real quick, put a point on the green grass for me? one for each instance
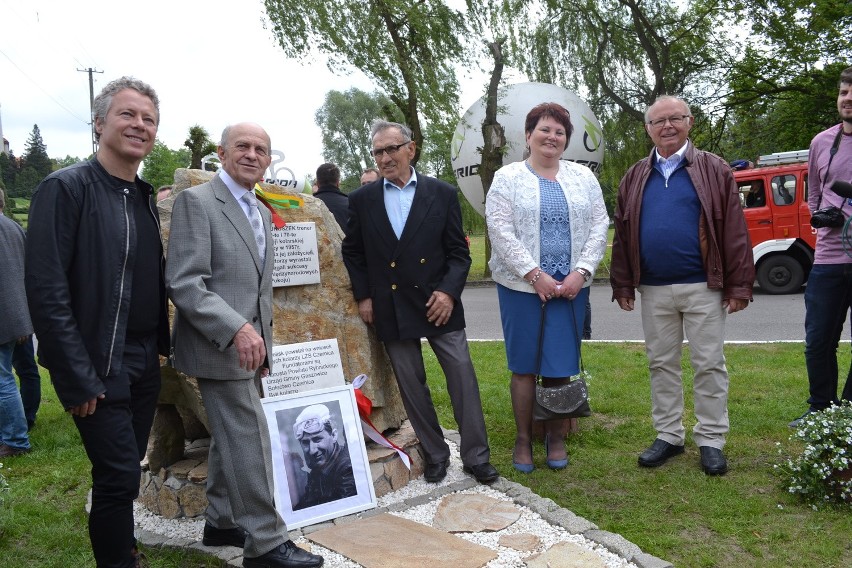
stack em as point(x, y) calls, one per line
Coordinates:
point(42, 517)
point(743, 519)
point(477, 255)
point(675, 512)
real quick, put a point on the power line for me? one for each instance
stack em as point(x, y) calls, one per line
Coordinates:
point(51, 97)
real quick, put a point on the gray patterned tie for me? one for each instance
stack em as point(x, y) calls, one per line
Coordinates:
point(256, 226)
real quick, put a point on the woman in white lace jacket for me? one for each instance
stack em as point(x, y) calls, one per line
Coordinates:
point(548, 228)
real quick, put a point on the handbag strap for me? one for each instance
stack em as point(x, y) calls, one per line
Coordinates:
point(541, 336)
point(579, 339)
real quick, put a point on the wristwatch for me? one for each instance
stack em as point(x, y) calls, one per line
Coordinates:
point(584, 273)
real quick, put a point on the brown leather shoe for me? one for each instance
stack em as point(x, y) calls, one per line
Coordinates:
point(10, 452)
point(288, 555)
point(139, 559)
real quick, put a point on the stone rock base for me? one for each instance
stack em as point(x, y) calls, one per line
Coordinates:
point(178, 490)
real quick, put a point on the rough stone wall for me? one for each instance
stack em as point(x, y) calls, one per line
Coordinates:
point(300, 313)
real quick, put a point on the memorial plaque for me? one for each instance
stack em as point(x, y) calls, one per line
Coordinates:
point(302, 367)
point(296, 255)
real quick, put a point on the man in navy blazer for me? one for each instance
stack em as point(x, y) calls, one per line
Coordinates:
point(408, 260)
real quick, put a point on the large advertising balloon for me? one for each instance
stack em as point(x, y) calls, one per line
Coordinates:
point(514, 102)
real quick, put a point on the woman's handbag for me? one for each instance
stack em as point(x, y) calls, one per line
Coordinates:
point(564, 401)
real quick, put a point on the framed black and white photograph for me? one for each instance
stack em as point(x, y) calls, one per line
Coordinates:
point(319, 460)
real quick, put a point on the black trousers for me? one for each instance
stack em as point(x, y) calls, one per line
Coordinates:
point(406, 358)
point(115, 438)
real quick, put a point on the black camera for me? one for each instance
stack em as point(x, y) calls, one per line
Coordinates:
point(827, 217)
point(832, 216)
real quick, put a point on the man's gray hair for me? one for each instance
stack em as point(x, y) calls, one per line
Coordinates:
point(662, 98)
point(223, 140)
point(102, 103)
point(379, 125)
point(226, 133)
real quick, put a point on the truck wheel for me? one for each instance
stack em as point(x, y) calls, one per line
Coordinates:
point(780, 275)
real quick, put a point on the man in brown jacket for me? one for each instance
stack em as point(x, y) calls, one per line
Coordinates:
point(681, 239)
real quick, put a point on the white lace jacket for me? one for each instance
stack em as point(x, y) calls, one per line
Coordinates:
point(513, 219)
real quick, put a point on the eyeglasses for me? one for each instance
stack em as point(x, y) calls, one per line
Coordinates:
point(389, 150)
point(674, 120)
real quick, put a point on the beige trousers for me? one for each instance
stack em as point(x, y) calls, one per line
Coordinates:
point(667, 313)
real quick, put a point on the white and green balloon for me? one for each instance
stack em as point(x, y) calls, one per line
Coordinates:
point(514, 102)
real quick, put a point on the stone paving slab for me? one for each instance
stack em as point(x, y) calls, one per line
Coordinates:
point(622, 552)
point(377, 542)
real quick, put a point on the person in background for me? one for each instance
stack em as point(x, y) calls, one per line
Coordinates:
point(219, 277)
point(548, 227)
point(24, 363)
point(95, 288)
point(328, 191)
point(828, 295)
point(408, 262)
point(163, 192)
point(681, 239)
point(15, 328)
point(369, 175)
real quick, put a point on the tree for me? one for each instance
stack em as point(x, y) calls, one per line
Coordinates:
point(26, 182)
point(406, 48)
point(159, 166)
point(8, 169)
point(784, 86)
point(199, 145)
point(344, 120)
point(35, 155)
point(59, 163)
point(627, 53)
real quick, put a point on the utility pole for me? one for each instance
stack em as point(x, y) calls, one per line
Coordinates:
point(92, 104)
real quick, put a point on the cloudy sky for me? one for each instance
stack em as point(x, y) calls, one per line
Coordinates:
point(211, 62)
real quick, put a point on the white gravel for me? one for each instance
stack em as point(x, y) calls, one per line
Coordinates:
point(529, 522)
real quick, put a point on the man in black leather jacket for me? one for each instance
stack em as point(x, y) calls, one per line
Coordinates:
point(95, 287)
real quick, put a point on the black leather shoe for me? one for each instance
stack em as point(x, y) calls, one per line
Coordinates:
point(483, 472)
point(795, 423)
point(435, 472)
point(288, 555)
point(223, 537)
point(713, 461)
point(659, 453)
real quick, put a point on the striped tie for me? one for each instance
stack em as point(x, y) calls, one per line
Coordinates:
point(256, 226)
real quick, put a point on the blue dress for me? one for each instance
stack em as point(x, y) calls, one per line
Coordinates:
point(521, 312)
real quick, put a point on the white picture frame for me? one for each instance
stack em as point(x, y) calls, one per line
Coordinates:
point(297, 497)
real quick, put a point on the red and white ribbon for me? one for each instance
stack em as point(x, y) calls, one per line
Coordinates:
point(365, 408)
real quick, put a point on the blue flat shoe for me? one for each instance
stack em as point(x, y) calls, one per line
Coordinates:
point(523, 467)
point(554, 464)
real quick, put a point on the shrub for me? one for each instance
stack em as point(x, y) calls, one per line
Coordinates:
point(823, 471)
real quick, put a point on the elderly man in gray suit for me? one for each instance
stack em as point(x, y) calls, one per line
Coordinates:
point(15, 327)
point(219, 276)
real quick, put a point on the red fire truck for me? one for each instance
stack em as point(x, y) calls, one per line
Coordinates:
point(774, 194)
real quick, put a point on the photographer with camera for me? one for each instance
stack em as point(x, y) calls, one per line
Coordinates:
point(828, 296)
